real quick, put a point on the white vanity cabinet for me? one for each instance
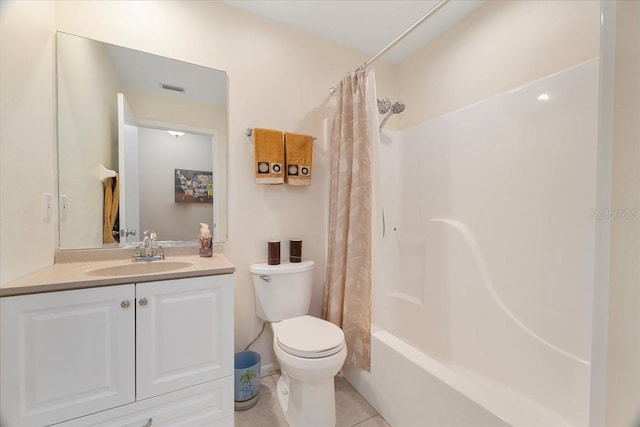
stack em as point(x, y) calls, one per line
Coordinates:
point(155, 353)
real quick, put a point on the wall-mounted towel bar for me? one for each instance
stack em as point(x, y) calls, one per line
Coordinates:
point(250, 132)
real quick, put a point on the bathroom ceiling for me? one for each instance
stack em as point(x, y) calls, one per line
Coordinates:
point(364, 25)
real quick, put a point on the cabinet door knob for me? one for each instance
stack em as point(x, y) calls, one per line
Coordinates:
point(148, 424)
point(125, 304)
point(143, 302)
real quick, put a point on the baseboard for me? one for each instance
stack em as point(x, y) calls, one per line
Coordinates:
point(269, 369)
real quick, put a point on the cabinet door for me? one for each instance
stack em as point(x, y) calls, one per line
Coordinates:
point(184, 333)
point(66, 354)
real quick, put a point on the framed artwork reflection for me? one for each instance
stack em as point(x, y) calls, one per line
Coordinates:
point(192, 186)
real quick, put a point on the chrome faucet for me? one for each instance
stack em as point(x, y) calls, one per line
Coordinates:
point(149, 238)
point(148, 244)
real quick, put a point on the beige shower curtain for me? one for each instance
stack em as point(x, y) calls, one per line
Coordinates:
point(347, 291)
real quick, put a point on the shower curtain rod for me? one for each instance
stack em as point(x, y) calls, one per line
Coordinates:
point(406, 32)
point(397, 40)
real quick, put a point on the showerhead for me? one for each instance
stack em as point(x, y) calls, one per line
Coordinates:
point(384, 105)
point(396, 108)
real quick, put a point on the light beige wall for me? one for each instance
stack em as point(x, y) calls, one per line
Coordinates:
point(152, 109)
point(27, 125)
point(278, 78)
point(88, 129)
point(623, 372)
point(171, 110)
point(160, 155)
point(499, 47)
point(175, 110)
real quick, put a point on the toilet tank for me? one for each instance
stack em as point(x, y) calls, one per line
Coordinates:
point(282, 291)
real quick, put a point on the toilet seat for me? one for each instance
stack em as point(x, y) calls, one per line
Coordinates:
point(309, 337)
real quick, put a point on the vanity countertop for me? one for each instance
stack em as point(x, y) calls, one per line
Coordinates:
point(73, 272)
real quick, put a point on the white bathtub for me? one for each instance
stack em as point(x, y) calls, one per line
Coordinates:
point(411, 389)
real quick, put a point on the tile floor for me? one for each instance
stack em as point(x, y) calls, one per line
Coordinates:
point(351, 408)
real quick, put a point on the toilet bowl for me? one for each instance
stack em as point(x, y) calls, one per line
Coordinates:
point(310, 351)
point(306, 386)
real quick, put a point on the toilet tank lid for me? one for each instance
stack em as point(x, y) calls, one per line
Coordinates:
point(291, 267)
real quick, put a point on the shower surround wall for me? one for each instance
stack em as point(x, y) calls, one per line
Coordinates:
point(488, 248)
point(483, 299)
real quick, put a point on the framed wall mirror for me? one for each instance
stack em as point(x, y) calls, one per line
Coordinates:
point(142, 145)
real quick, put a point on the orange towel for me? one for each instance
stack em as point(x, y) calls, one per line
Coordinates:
point(111, 204)
point(299, 156)
point(268, 148)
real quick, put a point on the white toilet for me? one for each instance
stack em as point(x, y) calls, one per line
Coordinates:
point(310, 351)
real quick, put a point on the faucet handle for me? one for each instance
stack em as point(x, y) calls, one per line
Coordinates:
point(136, 252)
point(160, 252)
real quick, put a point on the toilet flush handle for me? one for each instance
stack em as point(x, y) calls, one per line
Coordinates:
point(266, 278)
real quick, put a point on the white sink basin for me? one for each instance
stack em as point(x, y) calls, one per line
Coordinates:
point(139, 268)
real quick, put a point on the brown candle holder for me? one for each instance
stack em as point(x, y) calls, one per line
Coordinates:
point(295, 250)
point(274, 252)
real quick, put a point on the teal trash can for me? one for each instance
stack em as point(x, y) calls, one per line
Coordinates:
point(247, 379)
